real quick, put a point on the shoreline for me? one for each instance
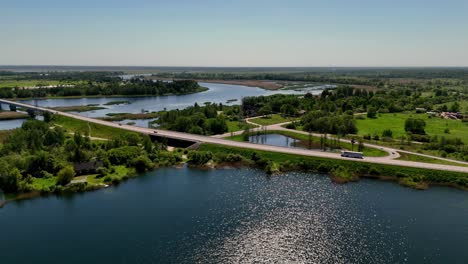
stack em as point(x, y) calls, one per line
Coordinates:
point(203, 89)
point(334, 179)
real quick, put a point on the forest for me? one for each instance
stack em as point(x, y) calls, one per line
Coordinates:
point(42, 156)
point(114, 86)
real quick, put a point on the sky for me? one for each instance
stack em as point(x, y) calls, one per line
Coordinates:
point(235, 33)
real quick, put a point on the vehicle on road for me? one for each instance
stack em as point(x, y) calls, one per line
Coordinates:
point(352, 154)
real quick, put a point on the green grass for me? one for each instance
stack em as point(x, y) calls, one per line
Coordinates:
point(417, 158)
point(234, 126)
point(119, 173)
point(26, 83)
point(396, 122)
point(272, 119)
point(369, 152)
point(97, 130)
point(463, 105)
point(43, 183)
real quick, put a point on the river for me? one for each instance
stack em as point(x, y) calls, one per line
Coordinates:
point(217, 93)
point(229, 216)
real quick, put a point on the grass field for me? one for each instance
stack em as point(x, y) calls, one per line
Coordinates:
point(417, 158)
point(272, 119)
point(463, 105)
point(369, 152)
point(43, 183)
point(396, 122)
point(26, 83)
point(81, 126)
point(234, 126)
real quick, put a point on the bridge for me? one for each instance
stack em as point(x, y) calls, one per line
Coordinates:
point(389, 160)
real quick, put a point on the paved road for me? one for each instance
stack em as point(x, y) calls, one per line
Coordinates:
point(224, 142)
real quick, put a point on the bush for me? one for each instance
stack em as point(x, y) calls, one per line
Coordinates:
point(142, 163)
point(102, 171)
point(123, 155)
point(291, 125)
point(200, 157)
point(65, 175)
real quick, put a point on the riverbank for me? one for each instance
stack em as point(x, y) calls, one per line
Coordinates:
point(267, 85)
point(10, 115)
point(129, 116)
point(273, 163)
point(199, 90)
point(78, 108)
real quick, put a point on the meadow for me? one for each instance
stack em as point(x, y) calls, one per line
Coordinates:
point(435, 126)
point(272, 119)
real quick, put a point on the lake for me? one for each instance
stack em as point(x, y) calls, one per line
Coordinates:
point(229, 216)
point(217, 93)
point(277, 140)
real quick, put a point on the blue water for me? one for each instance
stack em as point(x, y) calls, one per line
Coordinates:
point(231, 216)
point(217, 93)
point(276, 140)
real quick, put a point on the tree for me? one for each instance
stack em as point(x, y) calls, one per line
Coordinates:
point(9, 177)
point(31, 113)
point(47, 117)
point(415, 126)
point(353, 141)
point(371, 112)
point(360, 146)
point(142, 163)
point(455, 107)
point(265, 110)
point(387, 133)
point(65, 175)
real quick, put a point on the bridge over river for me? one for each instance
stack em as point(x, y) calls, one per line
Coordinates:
point(388, 160)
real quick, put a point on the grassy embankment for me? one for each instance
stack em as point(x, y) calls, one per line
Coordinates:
point(368, 152)
point(74, 125)
point(411, 177)
point(234, 126)
point(10, 115)
point(272, 120)
point(418, 158)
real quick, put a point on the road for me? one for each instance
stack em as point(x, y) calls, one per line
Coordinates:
point(247, 145)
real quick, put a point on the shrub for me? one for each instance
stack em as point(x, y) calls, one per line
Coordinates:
point(142, 163)
point(123, 155)
point(200, 157)
point(102, 171)
point(65, 175)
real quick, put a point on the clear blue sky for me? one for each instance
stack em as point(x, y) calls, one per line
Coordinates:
point(235, 33)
